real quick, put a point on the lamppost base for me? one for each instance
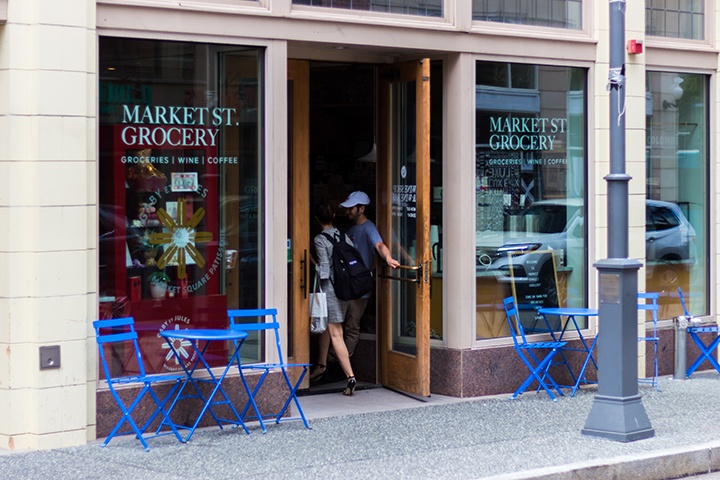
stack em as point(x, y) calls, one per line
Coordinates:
point(618, 418)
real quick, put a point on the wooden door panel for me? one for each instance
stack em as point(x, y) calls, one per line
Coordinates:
point(403, 199)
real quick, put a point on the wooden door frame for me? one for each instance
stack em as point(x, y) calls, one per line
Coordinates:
point(299, 201)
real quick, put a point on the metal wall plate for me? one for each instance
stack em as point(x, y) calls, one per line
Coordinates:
point(50, 357)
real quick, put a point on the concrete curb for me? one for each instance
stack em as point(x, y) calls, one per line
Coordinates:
point(658, 465)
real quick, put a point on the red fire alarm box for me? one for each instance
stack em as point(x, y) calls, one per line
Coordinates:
point(635, 47)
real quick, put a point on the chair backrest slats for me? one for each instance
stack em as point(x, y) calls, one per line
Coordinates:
point(273, 325)
point(261, 312)
point(513, 319)
point(254, 327)
point(114, 322)
point(108, 337)
point(117, 337)
point(649, 302)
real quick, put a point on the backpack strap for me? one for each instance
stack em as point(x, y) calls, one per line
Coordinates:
point(333, 242)
point(332, 239)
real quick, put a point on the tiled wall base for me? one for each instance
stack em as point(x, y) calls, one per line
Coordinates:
point(491, 371)
point(271, 399)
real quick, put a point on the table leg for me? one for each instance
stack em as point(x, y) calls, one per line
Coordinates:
point(217, 388)
point(587, 349)
point(562, 354)
point(251, 397)
point(582, 339)
point(581, 375)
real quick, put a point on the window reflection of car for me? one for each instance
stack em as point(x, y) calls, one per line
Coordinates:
point(669, 235)
point(550, 227)
point(557, 225)
point(670, 241)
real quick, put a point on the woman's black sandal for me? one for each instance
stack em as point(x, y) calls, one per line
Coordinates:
point(350, 389)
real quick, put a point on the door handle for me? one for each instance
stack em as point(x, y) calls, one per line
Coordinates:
point(417, 269)
point(303, 275)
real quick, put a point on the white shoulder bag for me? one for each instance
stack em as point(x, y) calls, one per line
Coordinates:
point(318, 309)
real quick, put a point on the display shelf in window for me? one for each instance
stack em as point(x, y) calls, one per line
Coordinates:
point(146, 230)
point(144, 176)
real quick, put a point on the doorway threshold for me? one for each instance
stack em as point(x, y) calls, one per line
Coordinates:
point(371, 400)
point(335, 387)
point(419, 398)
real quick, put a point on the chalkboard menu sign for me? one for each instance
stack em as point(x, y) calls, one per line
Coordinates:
point(534, 282)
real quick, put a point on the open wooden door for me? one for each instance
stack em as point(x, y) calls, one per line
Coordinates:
point(403, 217)
point(298, 207)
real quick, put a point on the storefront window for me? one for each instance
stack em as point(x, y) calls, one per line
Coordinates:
point(180, 190)
point(530, 192)
point(684, 19)
point(677, 195)
point(432, 8)
point(543, 13)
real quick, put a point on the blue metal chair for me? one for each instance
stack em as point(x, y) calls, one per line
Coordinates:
point(120, 333)
point(706, 350)
point(526, 350)
point(266, 368)
point(648, 302)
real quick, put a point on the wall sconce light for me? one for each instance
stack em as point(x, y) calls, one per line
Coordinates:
point(676, 92)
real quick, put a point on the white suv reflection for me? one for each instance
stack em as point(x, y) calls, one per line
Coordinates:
point(556, 226)
point(670, 240)
point(550, 227)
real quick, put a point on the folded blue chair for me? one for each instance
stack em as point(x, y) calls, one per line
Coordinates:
point(526, 350)
point(273, 326)
point(648, 302)
point(706, 350)
point(120, 333)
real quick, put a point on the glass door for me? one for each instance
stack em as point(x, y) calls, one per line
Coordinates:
point(403, 199)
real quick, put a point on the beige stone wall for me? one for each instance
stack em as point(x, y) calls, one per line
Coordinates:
point(47, 208)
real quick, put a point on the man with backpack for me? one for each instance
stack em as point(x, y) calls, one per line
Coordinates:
point(368, 242)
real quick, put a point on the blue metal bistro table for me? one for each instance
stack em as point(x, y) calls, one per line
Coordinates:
point(571, 314)
point(200, 339)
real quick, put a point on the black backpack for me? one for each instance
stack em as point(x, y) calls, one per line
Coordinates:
point(353, 279)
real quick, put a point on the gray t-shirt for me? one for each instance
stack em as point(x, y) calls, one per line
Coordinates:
point(365, 236)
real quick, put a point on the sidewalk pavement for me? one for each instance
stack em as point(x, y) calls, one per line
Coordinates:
point(381, 434)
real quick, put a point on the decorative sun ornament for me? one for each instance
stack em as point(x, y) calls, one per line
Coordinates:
point(181, 237)
point(180, 348)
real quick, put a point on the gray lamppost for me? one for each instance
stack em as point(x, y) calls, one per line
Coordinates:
point(617, 412)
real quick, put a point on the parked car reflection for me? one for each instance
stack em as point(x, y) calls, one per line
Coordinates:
point(556, 226)
point(670, 241)
point(544, 229)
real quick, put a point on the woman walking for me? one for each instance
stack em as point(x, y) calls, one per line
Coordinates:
point(324, 215)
